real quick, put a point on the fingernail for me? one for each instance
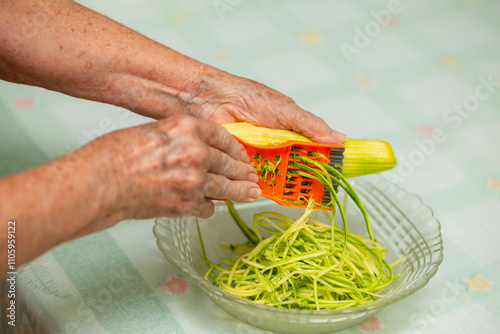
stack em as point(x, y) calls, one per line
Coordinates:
point(254, 193)
point(253, 177)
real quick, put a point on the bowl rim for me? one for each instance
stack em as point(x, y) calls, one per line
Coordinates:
point(417, 283)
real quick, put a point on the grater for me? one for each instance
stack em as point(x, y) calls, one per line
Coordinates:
point(290, 189)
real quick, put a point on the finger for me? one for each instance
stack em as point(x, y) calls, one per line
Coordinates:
point(218, 137)
point(206, 209)
point(222, 164)
point(313, 127)
point(217, 186)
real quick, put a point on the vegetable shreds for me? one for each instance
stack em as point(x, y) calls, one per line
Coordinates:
point(300, 266)
point(305, 263)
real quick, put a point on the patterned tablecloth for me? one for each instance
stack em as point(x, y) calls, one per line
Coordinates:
point(423, 75)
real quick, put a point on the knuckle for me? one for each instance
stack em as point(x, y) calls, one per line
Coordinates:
point(192, 181)
point(192, 156)
point(153, 135)
point(227, 168)
point(286, 101)
point(160, 138)
point(184, 123)
point(222, 189)
point(197, 153)
point(240, 192)
point(177, 126)
point(273, 95)
point(175, 180)
point(185, 180)
point(187, 154)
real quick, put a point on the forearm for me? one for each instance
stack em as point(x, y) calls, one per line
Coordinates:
point(51, 204)
point(63, 46)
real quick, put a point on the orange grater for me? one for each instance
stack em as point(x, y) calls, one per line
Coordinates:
point(282, 186)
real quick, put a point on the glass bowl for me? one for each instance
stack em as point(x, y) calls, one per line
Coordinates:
point(401, 223)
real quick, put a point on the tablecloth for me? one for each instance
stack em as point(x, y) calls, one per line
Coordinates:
point(423, 75)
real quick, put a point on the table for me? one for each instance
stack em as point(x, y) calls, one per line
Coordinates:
point(422, 75)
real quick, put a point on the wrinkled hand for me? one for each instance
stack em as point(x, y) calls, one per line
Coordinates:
point(227, 98)
point(173, 167)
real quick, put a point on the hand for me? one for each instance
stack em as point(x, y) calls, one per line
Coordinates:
point(226, 99)
point(127, 69)
point(173, 167)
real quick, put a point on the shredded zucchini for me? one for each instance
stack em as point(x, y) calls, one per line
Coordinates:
point(305, 263)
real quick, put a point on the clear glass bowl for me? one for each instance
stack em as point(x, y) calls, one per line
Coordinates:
point(401, 222)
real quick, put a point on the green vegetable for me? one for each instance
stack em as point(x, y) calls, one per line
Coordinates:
point(361, 156)
point(306, 263)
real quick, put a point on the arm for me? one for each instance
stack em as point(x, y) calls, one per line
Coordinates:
point(167, 168)
point(63, 46)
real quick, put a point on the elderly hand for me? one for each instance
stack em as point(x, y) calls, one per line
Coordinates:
point(173, 168)
point(226, 98)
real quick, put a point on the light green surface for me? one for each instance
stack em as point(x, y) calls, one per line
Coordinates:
point(398, 88)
